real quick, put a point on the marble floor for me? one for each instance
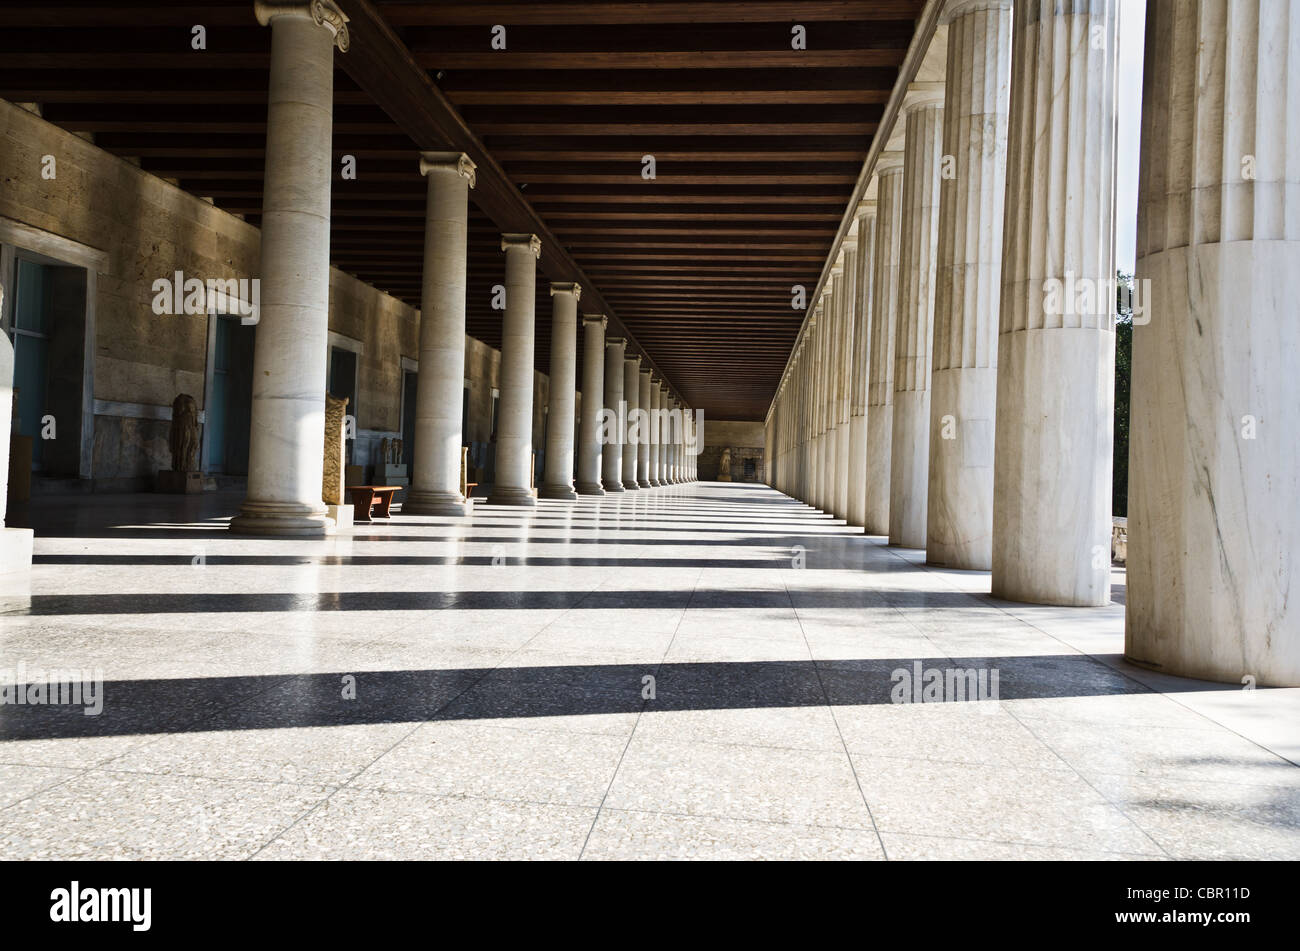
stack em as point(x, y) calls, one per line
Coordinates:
point(704, 671)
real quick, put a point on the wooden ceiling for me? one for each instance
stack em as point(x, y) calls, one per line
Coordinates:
point(757, 146)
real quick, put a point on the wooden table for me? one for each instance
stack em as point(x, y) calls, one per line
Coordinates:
point(364, 497)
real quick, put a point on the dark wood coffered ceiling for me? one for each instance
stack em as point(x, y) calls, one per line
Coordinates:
point(757, 146)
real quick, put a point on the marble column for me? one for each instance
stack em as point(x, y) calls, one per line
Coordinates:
point(631, 432)
point(15, 543)
point(435, 486)
point(593, 396)
point(643, 450)
point(865, 237)
point(286, 447)
point(909, 475)
point(1056, 345)
point(652, 451)
point(675, 446)
point(1214, 461)
point(810, 412)
point(670, 439)
point(612, 428)
point(884, 325)
point(963, 383)
point(844, 369)
point(824, 323)
point(831, 396)
point(515, 409)
point(558, 483)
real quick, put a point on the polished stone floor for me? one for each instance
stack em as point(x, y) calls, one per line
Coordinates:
point(704, 671)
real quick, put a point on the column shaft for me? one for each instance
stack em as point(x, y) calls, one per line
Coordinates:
point(963, 397)
point(593, 400)
point(435, 482)
point(1056, 348)
point(558, 483)
point(1214, 463)
point(643, 450)
point(884, 326)
point(909, 476)
point(286, 449)
point(612, 426)
point(515, 409)
point(866, 243)
point(631, 434)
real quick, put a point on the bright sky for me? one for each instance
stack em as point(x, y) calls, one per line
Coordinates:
point(1132, 28)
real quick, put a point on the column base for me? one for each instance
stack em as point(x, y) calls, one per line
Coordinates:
point(15, 550)
point(434, 502)
point(282, 518)
point(615, 487)
point(590, 488)
point(631, 486)
point(512, 495)
point(644, 484)
point(564, 492)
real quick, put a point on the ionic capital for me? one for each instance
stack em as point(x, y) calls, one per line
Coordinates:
point(324, 12)
point(590, 320)
point(570, 287)
point(456, 162)
point(517, 241)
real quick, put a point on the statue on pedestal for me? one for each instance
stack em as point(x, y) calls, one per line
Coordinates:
point(184, 476)
point(724, 466)
point(184, 441)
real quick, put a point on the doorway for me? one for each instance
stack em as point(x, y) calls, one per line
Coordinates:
point(48, 330)
point(343, 384)
point(229, 407)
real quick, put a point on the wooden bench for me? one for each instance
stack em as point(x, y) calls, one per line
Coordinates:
point(366, 497)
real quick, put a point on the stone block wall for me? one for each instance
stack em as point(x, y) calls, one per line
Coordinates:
point(745, 438)
point(150, 229)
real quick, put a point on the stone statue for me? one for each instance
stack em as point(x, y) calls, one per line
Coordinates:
point(385, 450)
point(184, 441)
point(724, 466)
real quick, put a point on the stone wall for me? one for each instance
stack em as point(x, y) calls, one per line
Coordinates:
point(150, 229)
point(745, 438)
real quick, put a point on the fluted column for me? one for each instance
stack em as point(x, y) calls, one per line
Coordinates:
point(612, 429)
point(963, 388)
point(558, 483)
point(515, 409)
point(631, 396)
point(909, 476)
point(593, 396)
point(440, 381)
point(643, 450)
point(844, 367)
point(824, 325)
point(831, 394)
point(865, 238)
point(884, 326)
point(1056, 351)
point(1214, 460)
point(832, 327)
point(286, 448)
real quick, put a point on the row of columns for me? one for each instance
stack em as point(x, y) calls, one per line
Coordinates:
point(972, 309)
point(288, 408)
